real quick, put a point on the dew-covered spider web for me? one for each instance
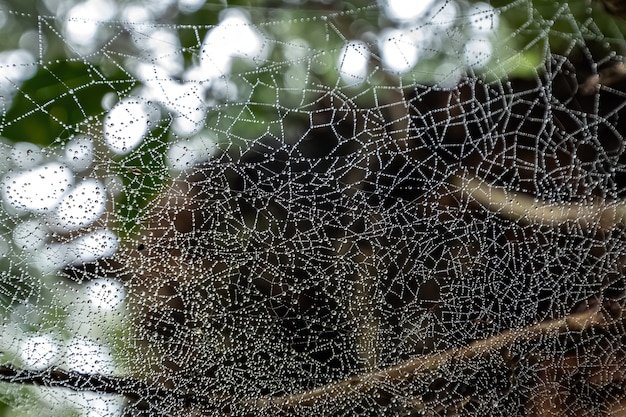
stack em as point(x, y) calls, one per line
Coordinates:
point(312, 208)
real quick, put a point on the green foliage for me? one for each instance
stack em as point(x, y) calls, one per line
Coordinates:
point(72, 93)
point(143, 173)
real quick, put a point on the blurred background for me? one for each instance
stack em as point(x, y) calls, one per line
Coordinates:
point(108, 106)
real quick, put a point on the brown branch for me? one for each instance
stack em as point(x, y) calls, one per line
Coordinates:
point(139, 391)
point(615, 7)
point(606, 77)
point(366, 382)
point(524, 208)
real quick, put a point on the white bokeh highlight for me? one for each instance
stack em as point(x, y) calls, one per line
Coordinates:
point(187, 153)
point(82, 206)
point(79, 153)
point(399, 50)
point(38, 352)
point(233, 37)
point(483, 18)
point(37, 189)
point(87, 248)
point(184, 101)
point(86, 356)
point(105, 294)
point(352, 62)
point(30, 235)
point(26, 155)
point(126, 125)
point(187, 95)
point(15, 66)
point(82, 23)
point(477, 52)
point(190, 6)
point(161, 46)
point(445, 16)
point(406, 10)
point(189, 109)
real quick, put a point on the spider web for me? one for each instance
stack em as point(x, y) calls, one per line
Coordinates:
point(339, 210)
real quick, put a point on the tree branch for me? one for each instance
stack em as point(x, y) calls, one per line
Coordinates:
point(524, 208)
point(405, 371)
point(606, 77)
point(139, 391)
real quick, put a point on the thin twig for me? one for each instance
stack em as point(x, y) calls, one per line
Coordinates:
point(133, 389)
point(404, 371)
